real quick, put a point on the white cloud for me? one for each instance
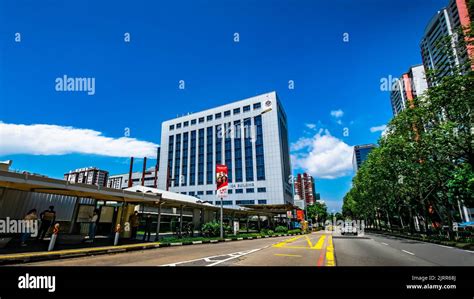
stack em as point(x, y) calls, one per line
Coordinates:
point(323, 155)
point(40, 139)
point(380, 128)
point(337, 113)
point(311, 126)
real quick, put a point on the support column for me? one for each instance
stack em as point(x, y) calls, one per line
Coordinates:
point(181, 221)
point(158, 224)
point(259, 225)
point(248, 223)
point(74, 215)
point(201, 222)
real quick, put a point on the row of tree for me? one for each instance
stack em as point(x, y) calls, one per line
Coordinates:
point(422, 173)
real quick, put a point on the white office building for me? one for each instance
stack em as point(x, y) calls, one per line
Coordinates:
point(249, 136)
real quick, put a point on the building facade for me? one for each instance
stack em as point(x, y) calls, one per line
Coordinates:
point(120, 181)
point(411, 85)
point(250, 137)
point(360, 154)
point(445, 23)
point(305, 188)
point(88, 175)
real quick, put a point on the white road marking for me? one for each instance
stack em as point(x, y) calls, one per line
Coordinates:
point(209, 259)
point(384, 243)
point(408, 252)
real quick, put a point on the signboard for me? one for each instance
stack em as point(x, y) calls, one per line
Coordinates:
point(222, 182)
point(300, 215)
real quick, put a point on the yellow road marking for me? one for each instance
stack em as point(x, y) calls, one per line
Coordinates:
point(330, 261)
point(285, 243)
point(281, 244)
point(320, 243)
point(292, 255)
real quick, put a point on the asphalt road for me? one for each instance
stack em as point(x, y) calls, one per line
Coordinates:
point(316, 249)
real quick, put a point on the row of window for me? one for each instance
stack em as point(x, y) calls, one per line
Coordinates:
point(230, 191)
point(240, 202)
point(227, 113)
point(206, 160)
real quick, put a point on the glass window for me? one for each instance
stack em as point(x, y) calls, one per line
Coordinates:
point(218, 115)
point(259, 149)
point(236, 111)
point(191, 193)
point(262, 201)
point(171, 127)
point(230, 191)
point(200, 193)
point(248, 147)
point(184, 164)
point(209, 156)
point(193, 121)
point(178, 126)
point(209, 192)
point(238, 191)
point(250, 190)
point(228, 151)
point(201, 119)
point(261, 190)
point(192, 163)
point(227, 113)
point(257, 106)
point(245, 202)
point(186, 123)
point(238, 152)
point(177, 160)
point(246, 108)
point(209, 117)
point(201, 157)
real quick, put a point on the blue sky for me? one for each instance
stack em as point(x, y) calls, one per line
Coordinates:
point(136, 83)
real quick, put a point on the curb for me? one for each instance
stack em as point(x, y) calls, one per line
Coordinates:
point(73, 253)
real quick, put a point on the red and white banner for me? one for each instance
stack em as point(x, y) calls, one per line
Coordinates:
point(222, 181)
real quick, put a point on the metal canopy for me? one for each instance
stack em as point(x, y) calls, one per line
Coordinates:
point(35, 183)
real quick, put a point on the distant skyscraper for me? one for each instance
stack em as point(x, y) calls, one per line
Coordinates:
point(410, 85)
point(444, 24)
point(89, 175)
point(305, 188)
point(360, 154)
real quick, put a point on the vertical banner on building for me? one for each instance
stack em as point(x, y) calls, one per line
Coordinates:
point(221, 180)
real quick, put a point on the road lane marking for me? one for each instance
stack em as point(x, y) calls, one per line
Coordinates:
point(209, 259)
point(285, 242)
point(330, 253)
point(291, 255)
point(408, 252)
point(384, 243)
point(320, 243)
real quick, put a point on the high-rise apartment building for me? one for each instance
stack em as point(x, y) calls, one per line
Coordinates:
point(445, 23)
point(250, 137)
point(305, 188)
point(88, 175)
point(360, 154)
point(412, 84)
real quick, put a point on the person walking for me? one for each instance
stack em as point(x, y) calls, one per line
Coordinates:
point(134, 223)
point(30, 216)
point(147, 234)
point(93, 225)
point(47, 217)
